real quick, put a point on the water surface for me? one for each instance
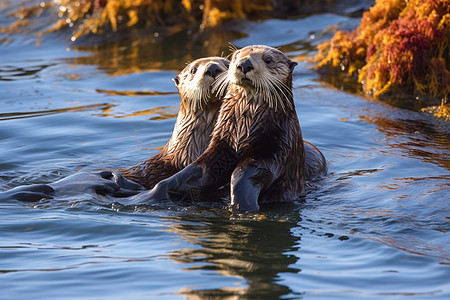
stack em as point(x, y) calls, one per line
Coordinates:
point(376, 227)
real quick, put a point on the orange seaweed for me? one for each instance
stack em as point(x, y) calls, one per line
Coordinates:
point(400, 47)
point(96, 16)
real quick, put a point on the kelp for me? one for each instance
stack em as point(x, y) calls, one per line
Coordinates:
point(439, 111)
point(94, 16)
point(401, 48)
point(85, 17)
point(97, 16)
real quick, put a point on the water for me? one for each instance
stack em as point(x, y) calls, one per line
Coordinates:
point(377, 227)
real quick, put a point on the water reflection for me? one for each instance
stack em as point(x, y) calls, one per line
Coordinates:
point(40, 113)
point(10, 73)
point(255, 251)
point(146, 52)
point(409, 213)
point(161, 113)
point(107, 110)
point(134, 93)
point(389, 182)
point(423, 139)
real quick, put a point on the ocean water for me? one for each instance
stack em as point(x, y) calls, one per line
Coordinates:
point(376, 227)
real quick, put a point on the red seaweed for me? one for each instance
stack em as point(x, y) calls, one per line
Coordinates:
point(400, 48)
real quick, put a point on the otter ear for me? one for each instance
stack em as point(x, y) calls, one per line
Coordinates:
point(292, 65)
point(176, 79)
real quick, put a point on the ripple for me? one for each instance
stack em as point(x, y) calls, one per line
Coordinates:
point(40, 113)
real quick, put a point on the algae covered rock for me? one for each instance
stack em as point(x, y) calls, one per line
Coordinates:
point(400, 49)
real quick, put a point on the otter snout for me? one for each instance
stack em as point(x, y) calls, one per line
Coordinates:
point(245, 66)
point(213, 70)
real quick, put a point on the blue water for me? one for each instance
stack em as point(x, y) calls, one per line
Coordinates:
point(377, 227)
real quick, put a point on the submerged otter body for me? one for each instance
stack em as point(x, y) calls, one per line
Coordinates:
point(257, 143)
point(199, 109)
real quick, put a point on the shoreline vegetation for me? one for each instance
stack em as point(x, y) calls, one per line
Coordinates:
point(399, 53)
point(399, 50)
point(85, 17)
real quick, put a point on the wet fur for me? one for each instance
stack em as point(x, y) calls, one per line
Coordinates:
point(257, 143)
point(199, 109)
point(264, 138)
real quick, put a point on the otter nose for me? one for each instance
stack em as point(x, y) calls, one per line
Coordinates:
point(213, 70)
point(245, 66)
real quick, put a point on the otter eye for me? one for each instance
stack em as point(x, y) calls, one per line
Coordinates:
point(176, 79)
point(268, 60)
point(193, 70)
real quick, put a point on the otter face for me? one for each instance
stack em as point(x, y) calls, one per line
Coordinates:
point(264, 72)
point(195, 81)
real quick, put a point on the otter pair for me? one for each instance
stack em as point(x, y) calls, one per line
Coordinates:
point(242, 130)
point(245, 134)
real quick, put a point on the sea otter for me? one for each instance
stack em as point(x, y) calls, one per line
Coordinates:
point(257, 144)
point(198, 112)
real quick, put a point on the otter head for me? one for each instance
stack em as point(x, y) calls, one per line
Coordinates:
point(264, 72)
point(195, 82)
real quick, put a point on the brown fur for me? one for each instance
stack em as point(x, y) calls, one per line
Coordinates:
point(315, 163)
point(260, 123)
point(195, 122)
point(257, 143)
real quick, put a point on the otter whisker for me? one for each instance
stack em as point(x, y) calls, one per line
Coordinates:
point(198, 97)
point(206, 96)
point(275, 92)
point(194, 97)
point(261, 90)
point(232, 47)
point(190, 95)
point(267, 90)
point(283, 90)
point(280, 99)
point(218, 82)
point(258, 88)
point(278, 82)
point(273, 95)
point(279, 95)
point(220, 85)
point(196, 100)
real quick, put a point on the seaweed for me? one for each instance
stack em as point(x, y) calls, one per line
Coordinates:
point(439, 111)
point(400, 49)
point(86, 17)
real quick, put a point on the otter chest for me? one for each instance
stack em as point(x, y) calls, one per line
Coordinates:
point(250, 127)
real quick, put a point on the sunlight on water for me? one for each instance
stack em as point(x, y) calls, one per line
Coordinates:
point(376, 227)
